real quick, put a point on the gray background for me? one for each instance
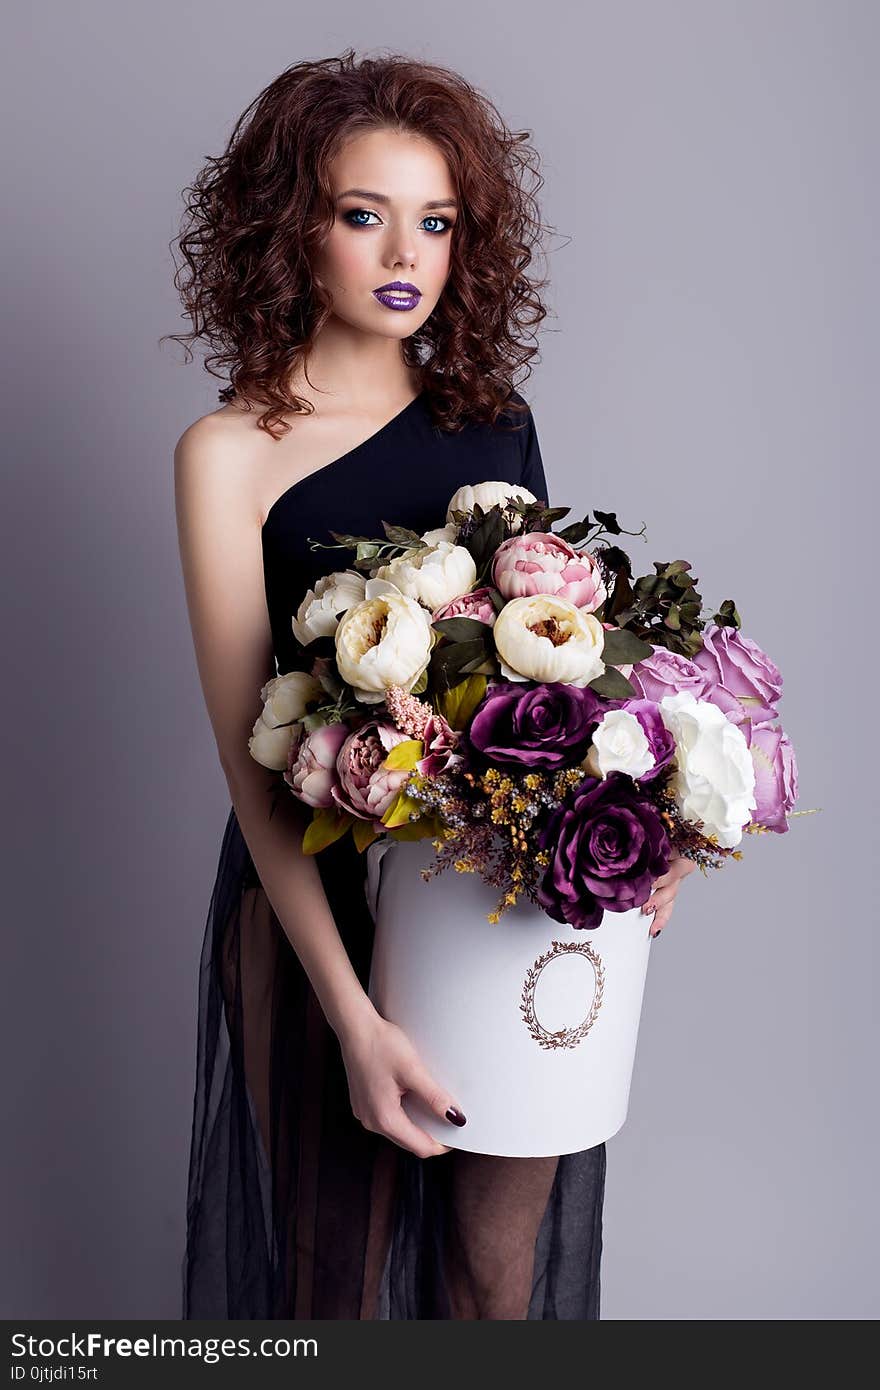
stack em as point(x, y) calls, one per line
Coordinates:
point(709, 170)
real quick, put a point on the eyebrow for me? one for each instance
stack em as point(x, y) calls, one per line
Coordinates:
point(381, 198)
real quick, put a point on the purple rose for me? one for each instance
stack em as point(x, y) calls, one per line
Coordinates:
point(608, 845)
point(739, 665)
point(539, 726)
point(776, 776)
point(666, 673)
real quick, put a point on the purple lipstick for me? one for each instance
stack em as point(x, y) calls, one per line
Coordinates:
point(398, 294)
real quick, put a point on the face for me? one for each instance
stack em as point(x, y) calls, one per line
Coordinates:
point(395, 211)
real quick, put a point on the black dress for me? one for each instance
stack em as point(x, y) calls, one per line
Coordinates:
point(294, 1209)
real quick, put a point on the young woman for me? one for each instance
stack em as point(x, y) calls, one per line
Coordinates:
point(357, 261)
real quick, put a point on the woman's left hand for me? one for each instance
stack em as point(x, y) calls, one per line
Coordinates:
point(665, 889)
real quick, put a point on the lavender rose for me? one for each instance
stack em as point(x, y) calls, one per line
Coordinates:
point(668, 673)
point(365, 788)
point(735, 662)
point(776, 776)
point(608, 845)
point(540, 726)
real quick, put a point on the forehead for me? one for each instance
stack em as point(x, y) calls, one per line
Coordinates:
point(399, 165)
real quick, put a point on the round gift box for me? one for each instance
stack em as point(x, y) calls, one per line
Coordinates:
point(529, 1023)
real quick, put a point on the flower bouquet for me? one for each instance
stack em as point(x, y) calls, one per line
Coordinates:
point(508, 700)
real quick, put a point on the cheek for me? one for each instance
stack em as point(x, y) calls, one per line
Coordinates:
point(346, 258)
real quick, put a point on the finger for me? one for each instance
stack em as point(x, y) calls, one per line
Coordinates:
point(417, 1078)
point(661, 898)
point(401, 1130)
point(661, 917)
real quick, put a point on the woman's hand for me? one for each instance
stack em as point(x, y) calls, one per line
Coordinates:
point(665, 889)
point(382, 1064)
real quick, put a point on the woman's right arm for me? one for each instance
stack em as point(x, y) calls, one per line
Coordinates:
point(221, 560)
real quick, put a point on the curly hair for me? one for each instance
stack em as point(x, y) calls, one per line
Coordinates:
point(256, 216)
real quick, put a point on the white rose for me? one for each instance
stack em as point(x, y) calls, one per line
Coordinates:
point(488, 495)
point(543, 638)
point(622, 745)
point(384, 640)
point(318, 614)
point(714, 778)
point(433, 576)
point(285, 699)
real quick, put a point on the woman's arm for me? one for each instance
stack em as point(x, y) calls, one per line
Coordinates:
point(221, 559)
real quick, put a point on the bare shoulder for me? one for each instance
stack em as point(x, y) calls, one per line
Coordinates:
point(214, 469)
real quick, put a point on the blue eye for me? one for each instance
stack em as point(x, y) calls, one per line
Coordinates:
point(354, 213)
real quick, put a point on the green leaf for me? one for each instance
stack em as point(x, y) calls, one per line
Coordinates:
point(613, 685)
point(405, 755)
point(672, 619)
point(325, 827)
point(399, 810)
point(364, 833)
point(622, 647)
point(458, 704)
point(401, 535)
point(462, 629)
point(425, 828)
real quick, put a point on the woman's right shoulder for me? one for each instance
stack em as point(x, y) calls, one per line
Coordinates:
point(214, 468)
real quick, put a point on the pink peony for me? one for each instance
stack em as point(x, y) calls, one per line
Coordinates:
point(365, 788)
point(541, 563)
point(739, 665)
point(776, 775)
point(476, 604)
point(311, 763)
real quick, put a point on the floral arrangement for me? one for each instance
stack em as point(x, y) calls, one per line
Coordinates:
point(552, 723)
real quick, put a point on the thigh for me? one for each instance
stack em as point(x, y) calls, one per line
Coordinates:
point(495, 1211)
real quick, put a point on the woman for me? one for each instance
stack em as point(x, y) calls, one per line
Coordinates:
point(357, 259)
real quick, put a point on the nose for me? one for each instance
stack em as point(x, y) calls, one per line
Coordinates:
point(403, 253)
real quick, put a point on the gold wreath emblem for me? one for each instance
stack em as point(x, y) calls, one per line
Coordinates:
point(565, 1037)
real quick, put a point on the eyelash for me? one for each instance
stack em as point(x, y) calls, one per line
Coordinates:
point(434, 217)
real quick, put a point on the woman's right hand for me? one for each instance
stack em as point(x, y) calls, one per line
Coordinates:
point(382, 1064)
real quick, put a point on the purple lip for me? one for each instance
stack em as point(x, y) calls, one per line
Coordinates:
point(398, 285)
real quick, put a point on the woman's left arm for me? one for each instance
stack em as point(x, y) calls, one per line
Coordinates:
point(665, 889)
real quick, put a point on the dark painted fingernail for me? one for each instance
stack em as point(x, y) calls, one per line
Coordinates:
point(455, 1115)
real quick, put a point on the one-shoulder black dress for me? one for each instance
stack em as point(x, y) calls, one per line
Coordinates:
point(294, 1209)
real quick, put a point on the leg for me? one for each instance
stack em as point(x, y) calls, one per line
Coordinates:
point(495, 1212)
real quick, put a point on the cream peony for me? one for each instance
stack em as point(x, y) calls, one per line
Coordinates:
point(621, 745)
point(385, 640)
point(542, 638)
point(449, 532)
point(488, 495)
point(434, 576)
point(285, 699)
point(318, 614)
point(714, 777)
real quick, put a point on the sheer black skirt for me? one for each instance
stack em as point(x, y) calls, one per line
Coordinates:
point(294, 1210)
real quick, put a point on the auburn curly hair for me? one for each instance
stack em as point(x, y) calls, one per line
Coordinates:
point(256, 215)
